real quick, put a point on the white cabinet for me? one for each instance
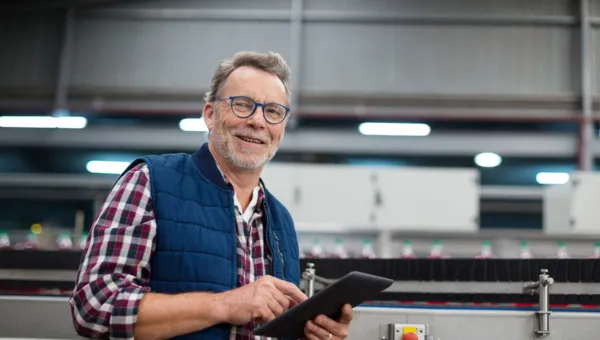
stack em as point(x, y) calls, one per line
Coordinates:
point(428, 199)
point(338, 198)
point(573, 207)
point(334, 196)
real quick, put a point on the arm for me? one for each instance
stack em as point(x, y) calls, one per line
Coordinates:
point(111, 297)
point(114, 270)
point(163, 316)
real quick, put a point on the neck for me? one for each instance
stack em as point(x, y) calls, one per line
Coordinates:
point(244, 181)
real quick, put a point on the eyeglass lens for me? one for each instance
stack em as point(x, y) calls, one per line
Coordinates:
point(244, 107)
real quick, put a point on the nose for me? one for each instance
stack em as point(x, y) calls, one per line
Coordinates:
point(257, 120)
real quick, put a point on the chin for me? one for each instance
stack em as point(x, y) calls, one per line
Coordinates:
point(248, 161)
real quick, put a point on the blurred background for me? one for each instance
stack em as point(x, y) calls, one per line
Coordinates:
point(419, 128)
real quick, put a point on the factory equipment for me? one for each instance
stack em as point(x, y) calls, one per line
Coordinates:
point(434, 299)
point(472, 299)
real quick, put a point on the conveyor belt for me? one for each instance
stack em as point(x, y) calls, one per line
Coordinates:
point(473, 281)
point(462, 270)
point(460, 281)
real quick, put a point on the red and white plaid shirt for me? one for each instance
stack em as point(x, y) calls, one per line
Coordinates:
point(115, 270)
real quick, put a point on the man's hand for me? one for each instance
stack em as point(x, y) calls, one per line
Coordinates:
point(323, 328)
point(260, 301)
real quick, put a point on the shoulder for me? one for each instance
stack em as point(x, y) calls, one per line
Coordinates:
point(166, 160)
point(134, 173)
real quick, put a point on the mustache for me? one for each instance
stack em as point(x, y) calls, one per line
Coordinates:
point(250, 133)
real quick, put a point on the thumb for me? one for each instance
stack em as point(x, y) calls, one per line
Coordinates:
point(346, 315)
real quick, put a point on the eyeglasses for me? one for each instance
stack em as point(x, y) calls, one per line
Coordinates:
point(245, 107)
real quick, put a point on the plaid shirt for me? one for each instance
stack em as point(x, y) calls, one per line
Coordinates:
point(115, 269)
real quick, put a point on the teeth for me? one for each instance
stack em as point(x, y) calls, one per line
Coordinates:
point(250, 140)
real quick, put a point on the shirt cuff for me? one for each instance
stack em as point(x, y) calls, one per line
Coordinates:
point(125, 310)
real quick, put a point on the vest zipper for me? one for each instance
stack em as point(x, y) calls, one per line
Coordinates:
point(280, 254)
point(276, 241)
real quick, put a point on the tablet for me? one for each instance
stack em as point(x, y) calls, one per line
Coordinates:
point(354, 288)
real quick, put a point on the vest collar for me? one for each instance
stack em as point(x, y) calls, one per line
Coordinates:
point(205, 162)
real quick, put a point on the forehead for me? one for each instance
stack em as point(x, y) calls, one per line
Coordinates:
point(257, 84)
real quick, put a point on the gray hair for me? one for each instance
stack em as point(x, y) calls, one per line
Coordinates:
point(270, 62)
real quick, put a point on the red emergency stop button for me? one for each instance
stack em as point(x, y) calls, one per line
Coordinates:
point(410, 336)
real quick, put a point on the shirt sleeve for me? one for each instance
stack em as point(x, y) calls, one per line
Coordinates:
point(115, 269)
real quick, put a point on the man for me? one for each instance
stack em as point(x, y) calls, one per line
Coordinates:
point(195, 246)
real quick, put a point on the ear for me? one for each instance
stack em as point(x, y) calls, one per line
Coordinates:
point(209, 115)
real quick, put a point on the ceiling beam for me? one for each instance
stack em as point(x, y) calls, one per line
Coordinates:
point(308, 141)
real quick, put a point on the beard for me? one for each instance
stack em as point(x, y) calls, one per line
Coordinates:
point(246, 159)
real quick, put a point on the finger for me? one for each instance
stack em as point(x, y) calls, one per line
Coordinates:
point(281, 299)
point(347, 314)
point(290, 290)
point(317, 331)
point(292, 302)
point(266, 315)
point(275, 307)
point(331, 326)
point(310, 336)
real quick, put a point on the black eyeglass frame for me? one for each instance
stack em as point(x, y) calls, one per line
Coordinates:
point(256, 105)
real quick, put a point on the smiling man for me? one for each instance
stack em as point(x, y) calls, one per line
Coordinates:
point(194, 246)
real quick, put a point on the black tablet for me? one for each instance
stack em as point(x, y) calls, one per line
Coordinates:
point(353, 288)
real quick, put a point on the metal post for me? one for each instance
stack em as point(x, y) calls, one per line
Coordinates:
point(542, 288)
point(586, 154)
point(309, 276)
point(64, 62)
point(295, 56)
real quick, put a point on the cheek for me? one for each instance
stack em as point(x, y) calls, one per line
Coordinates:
point(276, 135)
point(225, 124)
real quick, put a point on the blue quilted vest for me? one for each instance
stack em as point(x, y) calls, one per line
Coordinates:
point(196, 235)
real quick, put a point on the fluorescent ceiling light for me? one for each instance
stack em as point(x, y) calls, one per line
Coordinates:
point(552, 177)
point(488, 160)
point(43, 122)
point(106, 167)
point(193, 124)
point(394, 129)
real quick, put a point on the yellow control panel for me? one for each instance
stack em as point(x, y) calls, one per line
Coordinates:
point(398, 331)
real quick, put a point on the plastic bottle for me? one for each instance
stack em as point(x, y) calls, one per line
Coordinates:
point(407, 251)
point(367, 251)
point(63, 241)
point(561, 252)
point(317, 250)
point(596, 254)
point(4, 240)
point(437, 250)
point(30, 242)
point(83, 241)
point(486, 250)
point(339, 252)
point(525, 252)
